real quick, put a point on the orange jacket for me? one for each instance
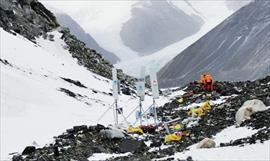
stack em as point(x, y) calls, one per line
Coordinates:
point(208, 78)
point(202, 79)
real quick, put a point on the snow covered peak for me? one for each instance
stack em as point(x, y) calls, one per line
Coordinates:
point(104, 19)
point(101, 19)
point(157, 24)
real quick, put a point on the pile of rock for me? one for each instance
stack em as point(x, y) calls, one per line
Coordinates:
point(220, 116)
point(80, 142)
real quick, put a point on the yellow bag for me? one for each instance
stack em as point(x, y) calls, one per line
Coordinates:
point(196, 111)
point(134, 130)
point(172, 137)
point(176, 127)
point(206, 106)
point(180, 100)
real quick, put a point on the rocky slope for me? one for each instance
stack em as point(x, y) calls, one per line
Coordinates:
point(31, 19)
point(75, 29)
point(237, 49)
point(26, 17)
point(81, 142)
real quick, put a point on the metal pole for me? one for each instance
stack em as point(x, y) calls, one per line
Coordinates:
point(140, 111)
point(155, 110)
point(116, 112)
point(167, 128)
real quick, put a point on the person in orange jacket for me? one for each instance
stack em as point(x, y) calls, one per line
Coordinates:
point(203, 81)
point(209, 82)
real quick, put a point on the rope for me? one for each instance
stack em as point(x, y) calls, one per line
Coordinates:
point(105, 112)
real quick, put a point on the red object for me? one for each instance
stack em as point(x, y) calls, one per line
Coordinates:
point(148, 128)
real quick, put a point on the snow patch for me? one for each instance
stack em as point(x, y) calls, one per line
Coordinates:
point(104, 156)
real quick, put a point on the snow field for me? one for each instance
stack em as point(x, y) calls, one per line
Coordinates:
point(33, 108)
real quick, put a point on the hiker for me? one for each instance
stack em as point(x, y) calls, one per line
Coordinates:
point(209, 82)
point(203, 82)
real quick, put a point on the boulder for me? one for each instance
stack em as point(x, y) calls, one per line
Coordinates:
point(126, 91)
point(112, 133)
point(206, 143)
point(133, 146)
point(29, 150)
point(248, 108)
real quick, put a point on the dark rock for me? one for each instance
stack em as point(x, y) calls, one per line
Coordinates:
point(28, 150)
point(156, 143)
point(126, 91)
point(133, 146)
point(17, 158)
point(99, 127)
point(5, 62)
point(68, 92)
point(77, 83)
point(56, 151)
point(80, 128)
point(189, 158)
point(98, 149)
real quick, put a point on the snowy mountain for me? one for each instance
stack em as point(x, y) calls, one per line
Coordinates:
point(212, 13)
point(75, 29)
point(235, 5)
point(106, 20)
point(103, 20)
point(237, 49)
point(157, 24)
point(54, 91)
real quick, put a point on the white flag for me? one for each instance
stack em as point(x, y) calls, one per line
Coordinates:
point(141, 83)
point(154, 84)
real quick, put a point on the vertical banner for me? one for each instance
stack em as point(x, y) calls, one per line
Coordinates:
point(154, 83)
point(141, 84)
point(115, 83)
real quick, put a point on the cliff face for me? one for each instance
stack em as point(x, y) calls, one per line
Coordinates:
point(26, 17)
point(237, 49)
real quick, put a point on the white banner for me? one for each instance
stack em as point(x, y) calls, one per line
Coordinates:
point(141, 84)
point(140, 89)
point(154, 84)
point(115, 83)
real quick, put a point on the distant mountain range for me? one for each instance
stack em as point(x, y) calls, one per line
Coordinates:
point(157, 24)
point(237, 49)
point(145, 33)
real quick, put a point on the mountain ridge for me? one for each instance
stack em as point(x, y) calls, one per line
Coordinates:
point(242, 40)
